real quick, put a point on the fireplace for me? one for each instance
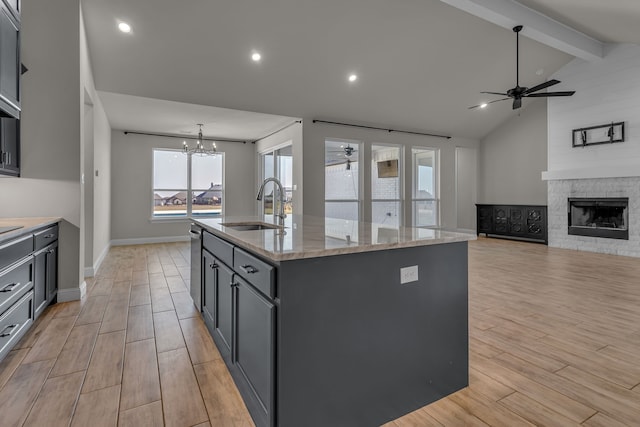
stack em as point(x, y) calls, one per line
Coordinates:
point(599, 217)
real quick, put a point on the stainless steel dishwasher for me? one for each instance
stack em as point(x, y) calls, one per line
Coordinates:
point(196, 265)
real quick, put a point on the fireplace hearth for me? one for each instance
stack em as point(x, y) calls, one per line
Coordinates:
point(599, 217)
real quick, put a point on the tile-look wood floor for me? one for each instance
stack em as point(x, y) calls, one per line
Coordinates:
point(554, 340)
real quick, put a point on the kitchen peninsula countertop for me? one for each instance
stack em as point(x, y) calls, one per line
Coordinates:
point(26, 224)
point(310, 237)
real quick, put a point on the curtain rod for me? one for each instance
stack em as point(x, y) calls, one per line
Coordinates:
point(385, 129)
point(279, 130)
point(168, 135)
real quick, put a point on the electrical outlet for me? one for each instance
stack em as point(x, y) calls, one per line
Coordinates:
point(409, 274)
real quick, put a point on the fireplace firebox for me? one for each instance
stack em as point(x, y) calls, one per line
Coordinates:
point(599, 217)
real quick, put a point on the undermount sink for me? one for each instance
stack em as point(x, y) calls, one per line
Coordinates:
point(250, 226)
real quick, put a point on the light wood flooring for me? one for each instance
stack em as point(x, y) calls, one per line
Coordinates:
point(554, 341)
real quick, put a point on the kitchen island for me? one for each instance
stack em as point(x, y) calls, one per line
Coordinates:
point(334, 322)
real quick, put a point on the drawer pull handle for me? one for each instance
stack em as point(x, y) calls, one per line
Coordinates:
point(10, 328)
point(233, 285)
point(49, 236)
point(249, 269)
point(51, 250)
point(10, 287)
point(213, 265)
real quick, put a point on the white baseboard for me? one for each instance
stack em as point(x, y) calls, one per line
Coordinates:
point(73, 294)
point(91, 271)
point(147, 240)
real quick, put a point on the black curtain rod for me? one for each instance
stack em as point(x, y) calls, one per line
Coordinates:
point(384, 129)
point(168, 135)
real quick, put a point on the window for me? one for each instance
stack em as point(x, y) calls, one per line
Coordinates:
point(278, 164)
point(342, 189)
point(186, 185)
point(425, 202)
point(386, 186)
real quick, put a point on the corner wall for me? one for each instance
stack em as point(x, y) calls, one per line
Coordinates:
point(513, 157)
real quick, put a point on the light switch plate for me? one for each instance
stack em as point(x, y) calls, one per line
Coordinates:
point(408, 274)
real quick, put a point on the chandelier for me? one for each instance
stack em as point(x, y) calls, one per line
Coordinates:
point(200, 149)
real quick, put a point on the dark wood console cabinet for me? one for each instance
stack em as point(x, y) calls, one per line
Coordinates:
point(525, 222)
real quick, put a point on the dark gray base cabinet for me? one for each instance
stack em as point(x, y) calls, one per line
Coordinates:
point(338, 341)
point(45, 281)
point(524, 222)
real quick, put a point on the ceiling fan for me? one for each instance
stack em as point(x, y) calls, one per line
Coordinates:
point(519, 92)
point(347, 150)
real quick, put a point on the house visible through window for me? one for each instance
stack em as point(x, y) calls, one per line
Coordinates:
point(187, 185)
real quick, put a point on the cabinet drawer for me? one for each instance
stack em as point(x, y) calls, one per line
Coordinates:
point(14, 282)
point(15, 322)
point(45, 237)
point(257, 272)
point(12, 251)
point(218, 247)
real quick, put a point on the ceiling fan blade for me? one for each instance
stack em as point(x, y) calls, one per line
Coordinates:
point(490, 102)
point(546, 94)
point(517, 103)
point(496, 93)
point(542, 86)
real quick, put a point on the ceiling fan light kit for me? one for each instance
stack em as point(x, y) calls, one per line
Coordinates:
point(519, 92)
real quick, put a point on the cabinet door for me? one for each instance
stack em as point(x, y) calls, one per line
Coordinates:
point(224, 304)
point(501, 219)
point(52, 271)
point(517, 224)
point(40, 282)
point(209, 279)
point(9, 63)
point(536, 222)
point(9, 146)
point(485, 219)
point(254, 342)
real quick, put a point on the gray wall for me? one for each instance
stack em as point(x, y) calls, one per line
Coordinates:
point(131, 186)
point(512, 159)
point(314, 142)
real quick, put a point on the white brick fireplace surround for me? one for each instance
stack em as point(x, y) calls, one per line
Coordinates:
point(559, 191)
point(607, 90)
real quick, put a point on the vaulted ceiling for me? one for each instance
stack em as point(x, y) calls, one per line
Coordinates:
point(420, 63)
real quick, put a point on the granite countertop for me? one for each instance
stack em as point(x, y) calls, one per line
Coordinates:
point(310, 237)
point(26, 225)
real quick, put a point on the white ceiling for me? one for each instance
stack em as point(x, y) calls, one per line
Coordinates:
point(134, 113)
point(610, 21)
point(421, 63)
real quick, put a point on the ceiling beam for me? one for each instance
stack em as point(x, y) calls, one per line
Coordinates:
point(539, 27)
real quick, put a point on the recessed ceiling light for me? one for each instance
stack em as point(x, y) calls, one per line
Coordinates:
point(256, 57)
point(483, 105)
point(124, 27)
point(353, 78)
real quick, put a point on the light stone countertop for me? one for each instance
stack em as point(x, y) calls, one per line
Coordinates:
point(310, 237)
point(27, 225)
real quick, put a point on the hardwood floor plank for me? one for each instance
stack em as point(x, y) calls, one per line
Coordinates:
point(10, 364)
point(102, 286)
point(418, 418)
point(41, 323)
point(140, 295)
point(19, 393)
point(98, 408)
point(140, 277)
point(116, 313)
point(602, 420)
point(71, 308)
point(184, 305)
point(448, 413)
point(140, 380)
point(199, 342)
point(93, 309)
point(158, 280)
point(105, 368)
point(181, 399)
point(167, 330)
point(221, 397)
point(50, 343)
point(149, 415)
point(140, 324)
point(535, 412)
point(487, 410)
point(161, 299)
point(483, 384)
point(76, 353)
point(55, 404)
point(176, 284)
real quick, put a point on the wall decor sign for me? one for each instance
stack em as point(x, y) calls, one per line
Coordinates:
point(601, 134)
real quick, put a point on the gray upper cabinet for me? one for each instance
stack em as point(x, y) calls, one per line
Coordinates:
point(9, 146)
point(16, 7)
point(10, 66)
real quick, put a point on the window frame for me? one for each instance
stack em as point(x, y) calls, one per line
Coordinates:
point(401, 172)
point(360, 160)
point(415, 185)
point(189, 190)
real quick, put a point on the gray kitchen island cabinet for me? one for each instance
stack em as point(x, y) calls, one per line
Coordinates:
point(317, 330)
